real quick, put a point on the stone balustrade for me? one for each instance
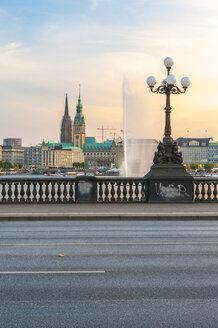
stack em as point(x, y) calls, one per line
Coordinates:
point(53, 189)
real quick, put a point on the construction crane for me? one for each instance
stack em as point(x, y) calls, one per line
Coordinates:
point(114, 133)
point(102, 131)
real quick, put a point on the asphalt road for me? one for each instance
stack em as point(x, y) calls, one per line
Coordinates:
point(114, 274)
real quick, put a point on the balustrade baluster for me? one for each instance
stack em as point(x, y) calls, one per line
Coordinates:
point(35, 192)
point(100, 191)
point(16, 192)
point(106, 192)
point(197, 192)
point(10, 192)
point(47, 192)
point(118, 191)
point(203, 192)
point(22, 192)
point(41, 184)
point(130, 191)
point(53, 192)
point(136, 191)
point(59, 200)
point(4, 192)
point(71, 191)
point(215, 192)
point(209, 192)
point(112, 191)
point(65, 199)
point(28, 192)
point(124, 191)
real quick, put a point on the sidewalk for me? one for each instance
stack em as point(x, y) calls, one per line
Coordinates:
point(108, 211)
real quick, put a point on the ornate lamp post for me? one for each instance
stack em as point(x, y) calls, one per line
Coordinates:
point(173, 180)
point(167, 150)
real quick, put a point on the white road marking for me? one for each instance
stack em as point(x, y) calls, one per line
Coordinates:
point(119, 243)
point(105, 214)
point(52, 272)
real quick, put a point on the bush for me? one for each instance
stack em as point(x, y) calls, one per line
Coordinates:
point(208, 166)
point(193, 166)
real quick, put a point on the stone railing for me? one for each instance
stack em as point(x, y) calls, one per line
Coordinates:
point(206, 189)
point(53, 189)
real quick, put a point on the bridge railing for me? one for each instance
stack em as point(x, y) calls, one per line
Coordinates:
point(205, 189)
point(52, 189)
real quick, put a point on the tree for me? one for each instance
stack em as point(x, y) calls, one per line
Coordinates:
point(193, 166)
point(208, 166)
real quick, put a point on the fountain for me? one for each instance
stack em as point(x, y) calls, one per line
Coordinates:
point(138, 152)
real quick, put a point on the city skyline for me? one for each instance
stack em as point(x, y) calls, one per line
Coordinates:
point(48, 49)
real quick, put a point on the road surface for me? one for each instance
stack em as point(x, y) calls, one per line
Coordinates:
point(105, 274)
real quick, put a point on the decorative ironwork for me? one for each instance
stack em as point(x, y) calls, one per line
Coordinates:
point(167, 150)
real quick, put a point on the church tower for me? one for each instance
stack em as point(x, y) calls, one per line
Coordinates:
point(79, 127)
point(66, 125)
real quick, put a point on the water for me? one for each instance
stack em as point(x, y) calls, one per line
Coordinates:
point(138, 152)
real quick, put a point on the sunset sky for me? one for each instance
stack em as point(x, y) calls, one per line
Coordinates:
point(49, 47)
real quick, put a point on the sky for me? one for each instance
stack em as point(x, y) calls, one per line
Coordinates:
point(49, 47)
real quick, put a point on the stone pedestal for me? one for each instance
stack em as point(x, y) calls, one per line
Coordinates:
point(86, 189)
point(169, 183)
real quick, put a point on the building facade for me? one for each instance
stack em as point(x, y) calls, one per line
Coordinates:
point(213, 152)
point(12, 142)
point(15, 156)
point(79, 127)
point(102, 154)
point(52, 155)
point(33, 156)
point(194, 150)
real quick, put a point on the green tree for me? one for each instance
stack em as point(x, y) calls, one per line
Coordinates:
point(208, 166)
point(193, 166)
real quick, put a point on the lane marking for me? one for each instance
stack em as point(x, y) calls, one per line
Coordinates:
point(91, 214)
point(119, 243)
point(52, 272)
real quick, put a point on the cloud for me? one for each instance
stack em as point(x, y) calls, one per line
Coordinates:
point(96, 3)
point(35, 76)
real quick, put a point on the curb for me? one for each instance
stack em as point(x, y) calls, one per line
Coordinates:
point(107, 216)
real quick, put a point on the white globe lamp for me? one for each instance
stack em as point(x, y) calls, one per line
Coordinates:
point(185, 81)
point(151, 81)
point(171, 79)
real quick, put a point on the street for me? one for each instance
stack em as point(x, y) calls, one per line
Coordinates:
point(105, 274)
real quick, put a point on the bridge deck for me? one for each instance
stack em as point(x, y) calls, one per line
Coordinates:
point(109, 211)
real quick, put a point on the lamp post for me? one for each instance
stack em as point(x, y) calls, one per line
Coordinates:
point(168, 146)
point(168, 179)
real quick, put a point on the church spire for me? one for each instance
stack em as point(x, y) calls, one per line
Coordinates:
point(66, 113)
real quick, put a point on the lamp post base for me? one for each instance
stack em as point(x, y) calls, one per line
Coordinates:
point(169, 183)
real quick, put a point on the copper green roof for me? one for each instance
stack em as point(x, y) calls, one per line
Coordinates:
point(90, 140)
point(79, 113)
point(97, 146)
point(65, 146)
point(213, 144)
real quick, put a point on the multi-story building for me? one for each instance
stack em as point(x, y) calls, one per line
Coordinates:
point(0, 153)
point(12, 142)
point(13, 155)
point(194, 150)
point(33, 156)
point(61, 155)
point(104, 154)
point(52, 155)
point(12, 151)
point(213, 152)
